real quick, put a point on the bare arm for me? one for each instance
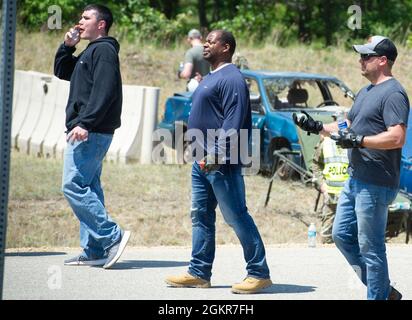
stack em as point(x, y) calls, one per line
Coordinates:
point(394, 138)
point(187, 71)
point(328, 128)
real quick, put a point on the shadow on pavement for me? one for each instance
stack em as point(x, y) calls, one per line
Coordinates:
point(278, 288)
point(139, 264)
point(275, 288)
point(33, 254)
point(288, 288)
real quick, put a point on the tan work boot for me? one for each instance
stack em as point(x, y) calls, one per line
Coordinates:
point(187, 281)
point(251, 285)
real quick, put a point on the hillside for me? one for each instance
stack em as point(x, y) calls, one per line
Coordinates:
point(153, 66)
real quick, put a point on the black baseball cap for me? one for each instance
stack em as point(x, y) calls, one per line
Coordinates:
point(379, 45)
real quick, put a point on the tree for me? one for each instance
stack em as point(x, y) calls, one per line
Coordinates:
point(168, 7)
point(201, 6)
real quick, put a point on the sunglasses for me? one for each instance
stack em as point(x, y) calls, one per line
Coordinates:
point(367, 56)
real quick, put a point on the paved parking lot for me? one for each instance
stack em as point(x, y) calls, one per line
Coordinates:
point(297, 272)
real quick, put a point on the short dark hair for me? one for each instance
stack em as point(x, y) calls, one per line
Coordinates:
point(226, 37)
point(103, 13)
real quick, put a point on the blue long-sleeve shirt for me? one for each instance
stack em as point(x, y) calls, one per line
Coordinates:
point(221, 101)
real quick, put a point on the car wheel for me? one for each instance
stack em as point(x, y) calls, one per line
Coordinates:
point(283, 170)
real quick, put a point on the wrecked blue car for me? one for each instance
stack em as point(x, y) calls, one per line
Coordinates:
point(406, 161)
point(274, 97)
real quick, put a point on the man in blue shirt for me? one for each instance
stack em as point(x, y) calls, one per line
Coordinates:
point(377, 121)
point(221, 104)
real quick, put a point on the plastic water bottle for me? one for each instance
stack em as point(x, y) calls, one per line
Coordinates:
point(192, 85)
point(312, 235)
point(75, 33)
point(342, 124)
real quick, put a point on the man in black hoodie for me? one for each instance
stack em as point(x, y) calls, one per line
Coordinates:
point(92, 115)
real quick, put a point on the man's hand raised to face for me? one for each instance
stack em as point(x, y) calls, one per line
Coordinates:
point(72, 37)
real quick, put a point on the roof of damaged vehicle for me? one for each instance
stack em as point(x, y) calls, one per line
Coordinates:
point(292, 75)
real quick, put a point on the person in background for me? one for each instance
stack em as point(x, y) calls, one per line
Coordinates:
point(330, 168)
point(240, 61)
point(195, 67)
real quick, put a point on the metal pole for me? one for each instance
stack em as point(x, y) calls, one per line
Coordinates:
point(8, 31)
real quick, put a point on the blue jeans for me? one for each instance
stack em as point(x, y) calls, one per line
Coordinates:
point(226, 187)
point(81, 187)
point(359, 233)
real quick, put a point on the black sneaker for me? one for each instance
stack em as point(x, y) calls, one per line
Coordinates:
point(116, 251)
point(82, 260)
point(394, 294)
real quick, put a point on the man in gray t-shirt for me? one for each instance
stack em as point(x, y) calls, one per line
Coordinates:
point(377, 129)
point(195, 66)
point(378, 108)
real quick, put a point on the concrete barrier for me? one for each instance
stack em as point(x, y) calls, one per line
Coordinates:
point(61, 133)
point(57, 127)
point(149, 123)
point(39, 115)
point(126, 138)
point(34, 112)
point(60, 146)
point(23, 83)
point(18, 75)
point(46, 119)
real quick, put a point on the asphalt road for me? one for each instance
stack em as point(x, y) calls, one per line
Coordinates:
point(297, 272)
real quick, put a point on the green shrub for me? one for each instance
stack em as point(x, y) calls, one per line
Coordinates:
point(138, 21)
point(255, 21)
point(33, 14)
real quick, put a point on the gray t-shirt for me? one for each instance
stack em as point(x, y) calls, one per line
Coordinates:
point(376, 108)
point(195, 56)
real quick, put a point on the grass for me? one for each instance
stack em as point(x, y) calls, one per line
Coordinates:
point(153, 66)
point(151, 201)
point(154, 204)
point(154, 201)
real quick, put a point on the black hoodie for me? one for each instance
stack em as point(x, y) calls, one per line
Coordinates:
point(95, 99)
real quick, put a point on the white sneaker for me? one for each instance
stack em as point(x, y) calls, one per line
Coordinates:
point(82, 260)
point(116, 251)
